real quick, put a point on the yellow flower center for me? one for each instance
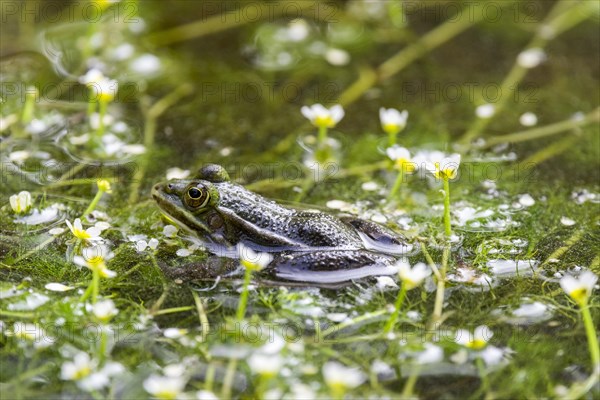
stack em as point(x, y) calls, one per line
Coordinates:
point(580, 295)
point(104, 185)
point(476, 344)
point(166, 395)
point(81, 234)
point(82, 373)
point(250, 265)
point(324, 121)
point(405, 165)
point(444, 173)
point(391, 128)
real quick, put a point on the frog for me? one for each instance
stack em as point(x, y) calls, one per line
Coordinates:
point(308, 246)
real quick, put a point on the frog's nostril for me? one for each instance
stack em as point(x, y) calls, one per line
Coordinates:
point(170, 186)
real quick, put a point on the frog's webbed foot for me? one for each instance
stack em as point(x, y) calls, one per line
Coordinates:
point(377, 237)
point(330, 266)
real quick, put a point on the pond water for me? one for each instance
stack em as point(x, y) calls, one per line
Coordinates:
point(491, 177)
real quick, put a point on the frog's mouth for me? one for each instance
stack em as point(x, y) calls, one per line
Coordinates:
point(173, 208)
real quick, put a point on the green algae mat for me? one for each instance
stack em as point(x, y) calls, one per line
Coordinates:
point(299, 199)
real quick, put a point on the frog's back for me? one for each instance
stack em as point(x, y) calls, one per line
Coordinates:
point(308, 228)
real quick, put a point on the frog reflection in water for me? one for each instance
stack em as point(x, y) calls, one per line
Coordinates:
point(308, 246)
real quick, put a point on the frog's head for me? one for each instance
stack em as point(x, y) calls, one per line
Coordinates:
point(189, 203)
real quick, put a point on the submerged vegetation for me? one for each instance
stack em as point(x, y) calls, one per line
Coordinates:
point(485, 156)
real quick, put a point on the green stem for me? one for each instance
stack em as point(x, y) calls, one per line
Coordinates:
point(86, 294)
point(16, 314)
point(228, 379)
point(409, 386)
point(204, 324)
point(447, 227)
point(93, 204)
point(438, 306)
point(397, 184)
point(91, 107)
point(241, 311)
point(545, 131)
point(210, 377)
point(482, 374)
point(391, 138)
point(592, 338)
point(322, 138)
point(432, 265)
point(101, 113)
point(103, 345)
point(27, 114)
point(345, 324)
point(394, 317)
point(95, 285)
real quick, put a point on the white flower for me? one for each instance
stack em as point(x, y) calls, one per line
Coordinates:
point(153, 243)
point(485, 111)
point(174, 370)
point(320, 116)
point(265, 365)
point(82, 370)
point(7, 121)
point(528, 119)
point(206, 395)
point(95, 121)
point(134, 149)
point(252, 260)
point(566, 221)
point(95, 259)
point(164, 387)
point(56, 231)
point(175, 333)
point(170, 231)
point(430, 355)
point(580, 288)
point(21, 203)
point(412, 277)
point(177, 173)
point(492, 355)
point(32, 333)
point(183, 252)
point(81, 367)
point(90, 234)
point(445, 168)
point(531, 58)
point(476, 340)
point(141, 245)
point(123, 51)
point(57, 287)
point(401, 158)
point(337, 56)
point(297, 30)
point(19, 156)
point(339, 377)
point(104, 310)
point(384, 282)
point(104, 89)
point(392, 120)
point(526, 200)
point(147, 64)
point(92, 76)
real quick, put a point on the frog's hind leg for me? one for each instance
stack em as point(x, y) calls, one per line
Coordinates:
point(330, 266)
point(379, 238)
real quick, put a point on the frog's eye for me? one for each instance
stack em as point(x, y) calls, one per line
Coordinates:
point(197, 197)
